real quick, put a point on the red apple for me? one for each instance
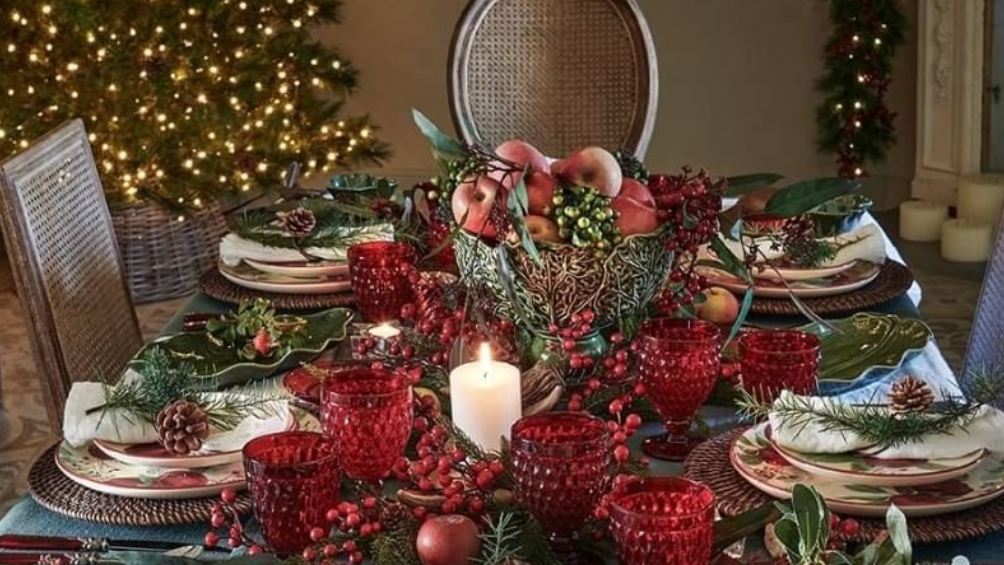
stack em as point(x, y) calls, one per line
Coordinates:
point(522, 154)
point(448, 540)
point(634, 217)
point(631, 188)
point(720, 306)
point(542, 229)
point(473, 199)
point(594, 167)
point(540, 189)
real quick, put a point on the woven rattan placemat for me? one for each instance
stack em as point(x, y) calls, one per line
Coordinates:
point(893, 280)
point(215, 285)
point(709, 463)
point(55, 491)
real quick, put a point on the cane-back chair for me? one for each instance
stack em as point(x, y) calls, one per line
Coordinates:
point(986, 339)
point(557, 73)
point(66, 264)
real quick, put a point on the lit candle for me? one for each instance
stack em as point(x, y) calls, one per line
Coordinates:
point(485, 399)
point(384, 331)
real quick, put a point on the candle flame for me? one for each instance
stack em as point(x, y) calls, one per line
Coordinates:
point(485, 356)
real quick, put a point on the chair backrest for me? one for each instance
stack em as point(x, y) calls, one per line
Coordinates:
point(986, 338)
point(557, 73)
point(66, 263)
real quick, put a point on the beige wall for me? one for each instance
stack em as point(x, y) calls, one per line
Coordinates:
point(737, 83)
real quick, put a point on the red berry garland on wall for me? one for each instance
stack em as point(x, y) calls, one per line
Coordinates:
point(854, 121)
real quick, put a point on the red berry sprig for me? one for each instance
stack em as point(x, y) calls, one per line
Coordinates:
point(225, 523)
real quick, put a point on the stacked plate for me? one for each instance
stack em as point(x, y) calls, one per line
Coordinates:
point(861, 484)
point(774, 282)
point(290, 277)
point(148, 471)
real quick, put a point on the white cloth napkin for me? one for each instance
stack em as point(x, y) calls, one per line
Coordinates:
point(234, 248)
point(121, 426)
point(868, 245)
point(812, 437)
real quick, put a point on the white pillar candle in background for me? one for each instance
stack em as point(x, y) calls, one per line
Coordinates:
point(921, 221)
point(966, 240)
point(981, 197)
point(485, 399)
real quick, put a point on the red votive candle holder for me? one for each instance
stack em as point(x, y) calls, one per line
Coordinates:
point(293, 478)
point(380, 278)
point(561, 462)
point(774, 360)
point(368, 415)
point(662, 521)
point(678, 365)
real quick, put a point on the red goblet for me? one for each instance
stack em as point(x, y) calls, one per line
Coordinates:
point(678, 364)
point(662, 521)
point(293, 478)
point(561, 462)
point(380, 271)
point(368, 414)
point(774, 360)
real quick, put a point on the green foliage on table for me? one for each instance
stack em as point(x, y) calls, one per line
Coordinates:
point(238, 330)
point(875, 423)
point(339, 225)
point(866, 341)
point(184, 101)
point(741, 184)
point(801, 197)
point(804, 532)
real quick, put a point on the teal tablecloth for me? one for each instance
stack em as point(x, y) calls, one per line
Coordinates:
point(27, 517)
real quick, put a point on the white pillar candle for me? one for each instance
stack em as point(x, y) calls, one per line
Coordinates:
point(966, 240)
point(485, 399)
point(921, 221)
point(981, 197)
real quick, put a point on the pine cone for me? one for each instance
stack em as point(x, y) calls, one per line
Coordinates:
point(395, 516)
point(182, 426)
point(297, 223)
point(910, 395)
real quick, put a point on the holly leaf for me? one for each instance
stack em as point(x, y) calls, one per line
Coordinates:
point(799, 198)
point(442, 144)
point(741, 184)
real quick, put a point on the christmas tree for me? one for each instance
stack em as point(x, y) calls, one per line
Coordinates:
point(183, 100)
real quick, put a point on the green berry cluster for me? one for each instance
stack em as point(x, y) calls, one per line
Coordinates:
point(585, 219)
point(459, 170)
point(631, 166)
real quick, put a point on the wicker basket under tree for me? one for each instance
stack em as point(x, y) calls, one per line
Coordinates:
point(164, 255)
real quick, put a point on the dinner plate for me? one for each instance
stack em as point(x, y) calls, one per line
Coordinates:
point(248, 277)
point(849, 280)
point(791, 274)
point(154, 454)
point(759, 463)
point(301, 269)
point(90, 467)
point(862, 468)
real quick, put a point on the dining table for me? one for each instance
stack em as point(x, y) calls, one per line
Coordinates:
point(28, 517)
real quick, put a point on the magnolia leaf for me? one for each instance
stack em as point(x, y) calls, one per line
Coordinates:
point(741, 184)
point(744, 310)
point(799, 198)
point(442, 144)
point(899, 535)
point(729, 260)
point(517, 205)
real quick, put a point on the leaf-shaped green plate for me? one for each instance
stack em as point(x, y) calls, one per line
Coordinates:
point(221, 366)
point(867, 342)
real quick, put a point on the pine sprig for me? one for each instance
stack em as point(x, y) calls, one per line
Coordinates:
point(338, 225)
point(874, 422)
point(500, 540)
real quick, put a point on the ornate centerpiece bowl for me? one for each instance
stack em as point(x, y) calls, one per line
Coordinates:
point(567, 280)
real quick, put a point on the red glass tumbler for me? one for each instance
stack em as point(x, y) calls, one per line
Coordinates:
point(380, 278)
point(368, 414)
point(662, 521)
point(678, 364)
point(774, 360)
point(294, 479)
point(562, 463)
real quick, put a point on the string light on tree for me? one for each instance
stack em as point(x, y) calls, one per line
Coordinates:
point(203, 118)
point(854, 121)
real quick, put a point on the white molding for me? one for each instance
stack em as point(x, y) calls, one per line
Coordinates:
point(949, 96)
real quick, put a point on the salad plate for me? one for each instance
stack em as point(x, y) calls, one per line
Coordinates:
point(757, 461)
point(792, 274)
point(249, 277)
point(301, 269)
point(866, 469)
point(860, 274)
